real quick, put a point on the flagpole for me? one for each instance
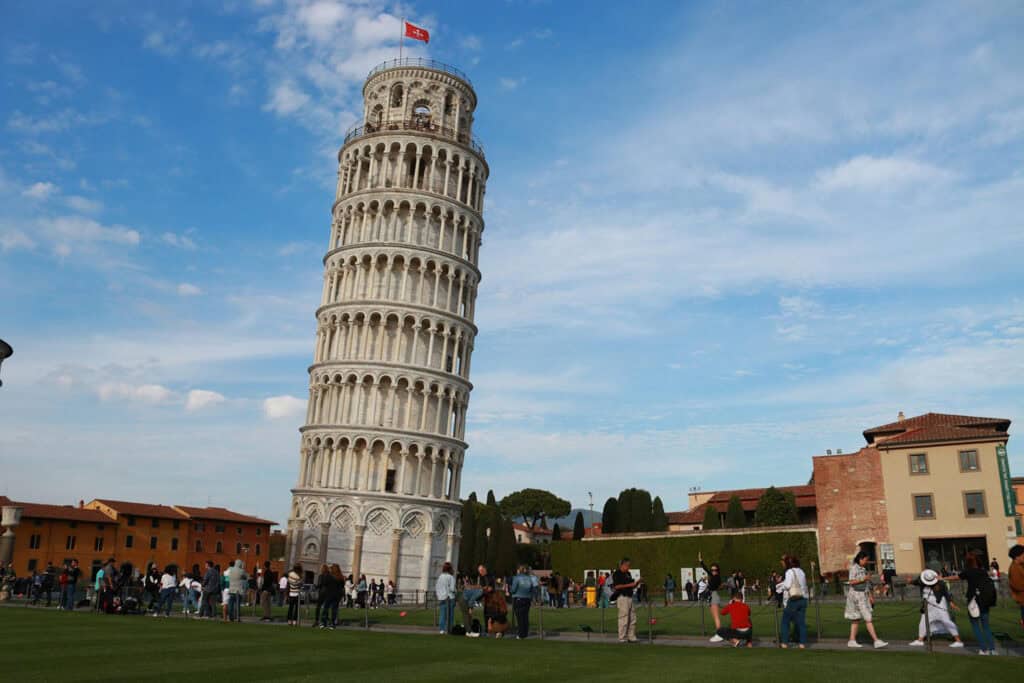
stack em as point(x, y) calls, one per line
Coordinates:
point(401, 38)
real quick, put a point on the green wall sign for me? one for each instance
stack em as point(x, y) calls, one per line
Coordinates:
point(1004, 480)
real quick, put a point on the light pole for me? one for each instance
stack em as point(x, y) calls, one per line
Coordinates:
point(5, 352)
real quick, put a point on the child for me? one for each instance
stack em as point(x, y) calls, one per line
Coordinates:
point(936, 598)
point(740, 629)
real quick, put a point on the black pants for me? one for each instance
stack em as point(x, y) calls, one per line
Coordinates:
point(293, 608)
point(329, 612)
point(733, 634)
point(319, 606)
point(521, 607)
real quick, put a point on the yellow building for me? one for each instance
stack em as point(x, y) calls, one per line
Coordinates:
point(947, 488)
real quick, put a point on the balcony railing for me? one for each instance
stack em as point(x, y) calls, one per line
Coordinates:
point(419, 61)
point(416, 125)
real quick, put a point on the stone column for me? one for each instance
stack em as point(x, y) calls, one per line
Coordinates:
point(357, 550)
point(325, 531)
point(449, 552)
point(428, 546)
point(396, 546)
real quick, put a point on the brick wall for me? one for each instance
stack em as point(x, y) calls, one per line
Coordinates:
point(851, 505)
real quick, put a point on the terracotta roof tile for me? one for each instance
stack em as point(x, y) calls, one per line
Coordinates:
point(123, 507)
point(938, 427)
point(63, 512)
point(804, 495)
point(221, 515)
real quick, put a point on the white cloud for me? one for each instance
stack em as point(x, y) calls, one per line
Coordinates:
point(471, 42)
point(84, 204)
point(198, 399)
point(76, 229)
point(188, 289)
point(147, 393)
point(277, 407)
point(40, 191)
point(15, 239)
point(286, 98)
point(872, 173)
point(320, 19)
point(180, 241)
point(510, 84)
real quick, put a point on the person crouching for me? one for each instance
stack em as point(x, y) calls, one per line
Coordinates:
point(936, 609)
point(740, 630)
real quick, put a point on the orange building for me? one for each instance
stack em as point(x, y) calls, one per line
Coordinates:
point(223, 536)
point(146, 533)
point(60, 533)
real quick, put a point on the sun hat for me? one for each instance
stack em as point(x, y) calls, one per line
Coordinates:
point(929, 577)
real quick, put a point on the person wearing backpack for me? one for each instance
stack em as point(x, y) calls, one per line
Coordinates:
point(936, 610)
point(794, 587)
point(980, 596)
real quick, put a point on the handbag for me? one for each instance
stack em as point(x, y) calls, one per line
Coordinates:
point(795, 589)
point(972, 608)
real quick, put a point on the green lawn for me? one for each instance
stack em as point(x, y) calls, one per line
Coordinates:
point(42, 645)
point(896, 621)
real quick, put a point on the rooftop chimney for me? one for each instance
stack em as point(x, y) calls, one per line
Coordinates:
point(81, 503)
point(900, 417)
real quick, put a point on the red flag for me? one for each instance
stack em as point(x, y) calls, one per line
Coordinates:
point(416, 33)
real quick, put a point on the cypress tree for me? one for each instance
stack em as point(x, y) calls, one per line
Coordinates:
point(505, 560)
point(735, 518)
point(467, 553)
point(640, 517)
point(609, 524)
point(659, 520)
point(711, 519)
point(624, 521)
point(578, 529)
point(556, 533)
point(491, 501)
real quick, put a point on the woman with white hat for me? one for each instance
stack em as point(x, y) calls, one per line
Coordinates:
point(937, 606)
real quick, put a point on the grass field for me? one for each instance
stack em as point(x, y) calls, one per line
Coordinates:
point(44, 645)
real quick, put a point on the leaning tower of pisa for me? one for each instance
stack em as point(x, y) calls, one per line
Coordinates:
point(383, 443)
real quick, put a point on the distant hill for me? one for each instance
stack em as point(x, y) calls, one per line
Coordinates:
point(567, 522)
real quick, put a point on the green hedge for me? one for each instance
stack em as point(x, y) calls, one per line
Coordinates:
point(756, 554)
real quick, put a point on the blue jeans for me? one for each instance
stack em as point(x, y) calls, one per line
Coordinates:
point(166, 600)
point(191, 600)
point(472, 596)
point(796, 611)
point(982, 632)
point(446, 609)
point(67, 596)
point(234, 606)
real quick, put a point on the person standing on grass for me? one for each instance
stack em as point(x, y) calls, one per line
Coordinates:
point(522, 596)
point(318, 586)
point(1016, 578)
point(444, 588)
point(238, 585)
point(267, 590)
point(294, 587)
point(282, 589)
point(168, 589)
point(793, 586)
point(331, 587)
point(714, 584)
point(211, 589)
point(859, 601)
point(740, 629)
point(670, 589)
point(980, 596)
point(71, 587)
point(623, 585)
point(151, 584)
point(937, 614)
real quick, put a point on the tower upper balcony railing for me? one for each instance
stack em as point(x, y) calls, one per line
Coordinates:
point(419, 125)
point(421, 62)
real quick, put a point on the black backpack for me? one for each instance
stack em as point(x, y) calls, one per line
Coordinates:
point(458, 630)
point(986, 596)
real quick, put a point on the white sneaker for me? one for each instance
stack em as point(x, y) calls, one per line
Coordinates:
point(879, 644)
point(716, 638)
point(853, 643)
point(983, 653)
point(993, 653)
point(957, 643)
point(919, 643)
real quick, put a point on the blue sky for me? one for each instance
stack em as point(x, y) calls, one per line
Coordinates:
point(718, 241)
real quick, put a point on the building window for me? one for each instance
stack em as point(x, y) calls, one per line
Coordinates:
point(258, 545)
point(32, 564)
point(69, 544)
point(156, 523)
point(99, 527)
point(200, 526)
point(923, 507)
point(969, 461)
point(239, 529)
point(73, 525)
point(131, 520)
point(1020, 529)
point(918, 463)
point(974, 504)
point(129, 541)
point(34, 541)
point(259, 531)
point(220, 547)
point(174, 544)
point(97, 545)
point(176, 524)
point(219, 528)
point(389, 481)
point(199, 546)
point(37, 522)
point(238, 549)
point(152, 542)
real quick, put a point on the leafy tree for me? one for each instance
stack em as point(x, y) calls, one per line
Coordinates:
point(776, 508)
point(735, 518)
point(578, 528)
point(491, 502)
point(711, 519)
point(609, 523)
point(544, 523)
point(493, 522)
point(556, 533)
point(533, 506)
point(624, 521)
point(505, 556)
point(467, 553)
point(659, 520)
point(640, 517)
point(472, 497)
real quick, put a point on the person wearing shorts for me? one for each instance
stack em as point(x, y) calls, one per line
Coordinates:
point(858, 601)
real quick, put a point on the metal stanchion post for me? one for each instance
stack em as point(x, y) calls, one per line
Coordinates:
point(927, 623)
point(366, 614)
point(435, 610)
point(298, 612)
point(650, 623)
point(817, 614)
point(540, 620)
point(703, 625)
point(602, 617)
